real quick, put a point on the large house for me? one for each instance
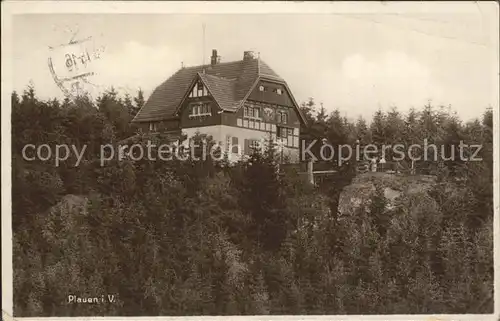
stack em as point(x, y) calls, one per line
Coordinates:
point(237, 103)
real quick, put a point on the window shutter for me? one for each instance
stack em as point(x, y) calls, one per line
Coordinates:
point(247, 147)
point(280, 131)
point(234, 147)
point(228, 142)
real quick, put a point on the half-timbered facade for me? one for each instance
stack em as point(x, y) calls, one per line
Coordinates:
point(238, 103)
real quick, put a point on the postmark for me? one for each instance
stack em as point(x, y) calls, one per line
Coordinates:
point(72, 64)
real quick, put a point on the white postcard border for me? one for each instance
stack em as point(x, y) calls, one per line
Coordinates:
point(10, 8)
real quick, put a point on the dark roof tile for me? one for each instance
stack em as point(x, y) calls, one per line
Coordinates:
point(222, 91)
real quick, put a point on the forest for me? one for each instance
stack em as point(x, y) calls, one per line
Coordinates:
point(204, 238)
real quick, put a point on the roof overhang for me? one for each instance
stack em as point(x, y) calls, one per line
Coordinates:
point(154, 119)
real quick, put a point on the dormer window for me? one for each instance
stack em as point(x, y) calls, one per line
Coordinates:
point(279, 91)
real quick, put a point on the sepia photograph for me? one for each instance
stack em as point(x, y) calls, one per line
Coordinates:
point(250, 159)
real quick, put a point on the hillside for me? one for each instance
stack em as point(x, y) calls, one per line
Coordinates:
point(202, 238)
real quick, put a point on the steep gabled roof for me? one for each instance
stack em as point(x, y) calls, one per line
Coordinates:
point(222, 90)
point(229, 83)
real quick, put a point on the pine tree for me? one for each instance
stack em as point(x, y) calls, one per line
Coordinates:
point(127, 103)
point(322, 116)
point(139, 103)
point(377, 128)
point(394, 127)
point(362, 132)
point(428, 123)
point(14, 98)
point(308, 109)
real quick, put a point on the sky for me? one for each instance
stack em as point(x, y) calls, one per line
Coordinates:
point(354, 62)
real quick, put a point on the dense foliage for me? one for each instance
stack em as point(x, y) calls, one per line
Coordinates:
point(192, 238)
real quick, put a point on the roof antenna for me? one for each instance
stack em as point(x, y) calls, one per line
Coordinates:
point(203, 26)
point(258, 62)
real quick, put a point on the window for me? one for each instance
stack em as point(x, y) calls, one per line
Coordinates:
point(232, 145)
point(201, 110)
point(152, 127)
point(282, 117)
point(278, 91)
point(235, 148)
point(256, 112)
point(282, 132)
point(261, 88)
point(254, 144)
point(287, 136)
point(251, 112)
point(198, 90)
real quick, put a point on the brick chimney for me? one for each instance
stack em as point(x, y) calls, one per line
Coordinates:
point(248, 55)
point(214, 59)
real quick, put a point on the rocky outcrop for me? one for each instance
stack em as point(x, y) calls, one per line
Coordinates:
point(361, 190)
point(71, 202)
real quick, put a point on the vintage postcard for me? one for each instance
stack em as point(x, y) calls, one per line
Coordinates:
point(258, 160)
